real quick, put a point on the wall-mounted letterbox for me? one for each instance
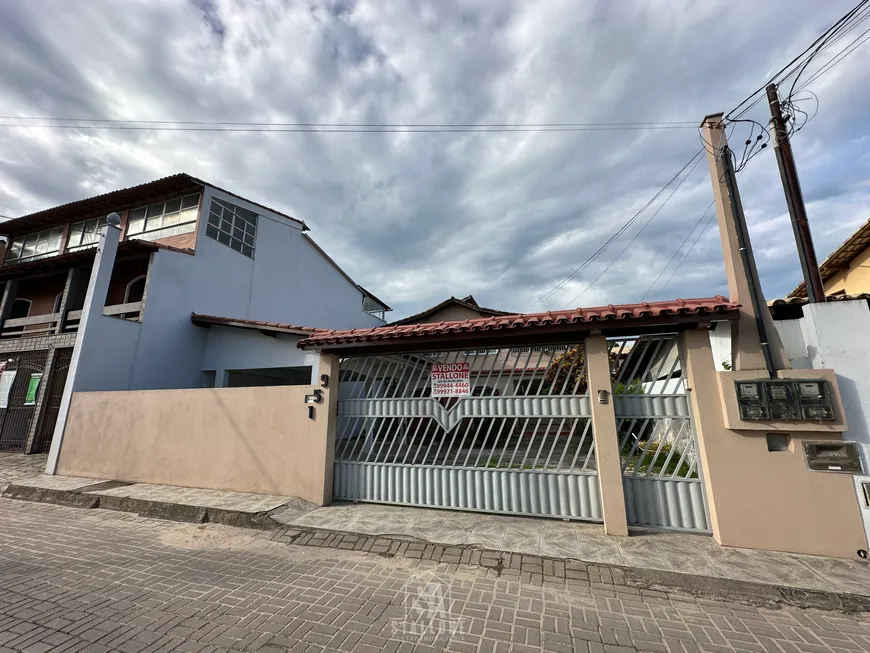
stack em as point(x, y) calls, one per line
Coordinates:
point(787, 400)
point(833, 457)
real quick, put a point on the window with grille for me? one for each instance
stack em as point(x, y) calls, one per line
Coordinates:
point(35, 246)
point(232, 226)
point(85, 234)
point(164, 219)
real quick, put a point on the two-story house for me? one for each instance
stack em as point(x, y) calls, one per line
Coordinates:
point(195, 262)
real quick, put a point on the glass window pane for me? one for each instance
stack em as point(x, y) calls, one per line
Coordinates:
point(15, 250)
point(211, 232)
point(249, 239)
point(138, 214)
point(187, 216)
point(173, 206)
point(214, 219)
point(186, 228)
point(223, 238)
point(191, 201)
point(248, 251)
point(226, 225)
point(238, 233)
point(236, 245)
point(155, 209)
point(170, 218)
point(135, 226)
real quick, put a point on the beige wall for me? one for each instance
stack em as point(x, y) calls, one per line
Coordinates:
point(761, 499)
point(453, 313)
point(855, 280)
point(243, 439)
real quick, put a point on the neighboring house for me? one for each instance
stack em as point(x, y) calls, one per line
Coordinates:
point(204, 287)
point(451, 310)
point(847, 270)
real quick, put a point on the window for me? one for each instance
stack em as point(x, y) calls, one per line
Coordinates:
point(372, 307)
point(233, 226)
point(135, 290)
point(35, 246)
point(85, 234)
point(164, 219)
point(58, 300)
point(20, 308)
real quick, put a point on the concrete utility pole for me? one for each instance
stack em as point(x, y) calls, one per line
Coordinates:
point(794, 199)
point(756, 344)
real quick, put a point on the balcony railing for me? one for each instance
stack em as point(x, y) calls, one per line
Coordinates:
point(44, 325)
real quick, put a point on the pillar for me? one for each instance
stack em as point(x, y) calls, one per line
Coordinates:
point(745, 342)
point(88, 340)
point(328, 413)
point(606, 437)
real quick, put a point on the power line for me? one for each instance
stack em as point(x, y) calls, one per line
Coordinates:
point(352, 130)
point(619, 232)
point(838, 58)
point(355, 124)
point(676, 253)
point(683, 260)
point(571, 304)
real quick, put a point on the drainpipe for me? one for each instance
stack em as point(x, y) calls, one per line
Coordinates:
point(87, 338)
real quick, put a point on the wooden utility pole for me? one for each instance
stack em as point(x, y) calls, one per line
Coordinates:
point(794, 199)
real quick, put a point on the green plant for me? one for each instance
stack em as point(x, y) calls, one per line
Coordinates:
point(640, 462)
point(633, 387)
point(726, 365)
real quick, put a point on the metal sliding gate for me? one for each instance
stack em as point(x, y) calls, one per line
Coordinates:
point(520, 442)
point(661, 473)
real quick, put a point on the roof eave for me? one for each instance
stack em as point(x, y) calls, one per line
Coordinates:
point(529, 334)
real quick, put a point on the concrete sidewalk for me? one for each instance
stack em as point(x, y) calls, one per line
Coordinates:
point(660, 555)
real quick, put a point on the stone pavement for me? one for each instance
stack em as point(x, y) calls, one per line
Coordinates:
point(668, 552)
point(75, 580)
point(15, 466)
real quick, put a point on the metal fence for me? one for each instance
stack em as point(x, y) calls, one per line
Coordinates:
point(17, 416)
point(508, 446)
point(656, 435)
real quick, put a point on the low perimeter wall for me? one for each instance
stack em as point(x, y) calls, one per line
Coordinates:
point(243, 439)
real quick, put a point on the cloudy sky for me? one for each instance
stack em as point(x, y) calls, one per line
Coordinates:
point(419, 217)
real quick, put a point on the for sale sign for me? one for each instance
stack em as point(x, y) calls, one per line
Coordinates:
point(451, 380)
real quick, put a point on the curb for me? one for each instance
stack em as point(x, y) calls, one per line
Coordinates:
point(532, 569)
point(143, 507)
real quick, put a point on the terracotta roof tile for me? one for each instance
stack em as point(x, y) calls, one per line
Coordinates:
point(707, 306)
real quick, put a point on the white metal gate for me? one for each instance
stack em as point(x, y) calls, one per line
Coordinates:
point(661, 471)
point(521, 443)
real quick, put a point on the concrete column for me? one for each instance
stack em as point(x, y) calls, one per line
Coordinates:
point(87, 341)
point(36, 422)
point(745, 343)
point(606, 437)
point(327, 414)
point(73, 295)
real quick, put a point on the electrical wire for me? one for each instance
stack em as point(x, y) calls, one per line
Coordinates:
point(676, 253)
point(837, 59)
point(572, 303)
point(612, 238)
point(683, 260)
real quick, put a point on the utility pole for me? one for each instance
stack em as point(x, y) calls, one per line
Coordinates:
point(794, 199)
point(755, 342)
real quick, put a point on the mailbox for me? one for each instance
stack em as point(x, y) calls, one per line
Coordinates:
point(787, 400)
point(833, 457)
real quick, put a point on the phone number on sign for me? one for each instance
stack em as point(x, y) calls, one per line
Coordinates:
point(450, 389)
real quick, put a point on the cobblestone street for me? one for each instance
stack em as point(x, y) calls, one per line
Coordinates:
point(95, 580)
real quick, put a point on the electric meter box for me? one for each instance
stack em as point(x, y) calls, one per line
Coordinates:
point(787, 400)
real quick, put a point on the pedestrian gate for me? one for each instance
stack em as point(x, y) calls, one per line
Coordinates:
point(521, 441)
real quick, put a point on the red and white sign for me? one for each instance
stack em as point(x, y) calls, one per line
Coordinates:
point(451, 379)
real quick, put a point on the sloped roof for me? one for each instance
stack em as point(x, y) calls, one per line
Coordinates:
point(98, 205)
point(651, 313)
point(202, 320)
point(792, 308)
point(466, 302)
point(840, 258)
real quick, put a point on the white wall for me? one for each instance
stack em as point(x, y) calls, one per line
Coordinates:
point(834, 335)
point(232, 348)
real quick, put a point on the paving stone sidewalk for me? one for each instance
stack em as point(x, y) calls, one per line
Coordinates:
point(75, 580)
